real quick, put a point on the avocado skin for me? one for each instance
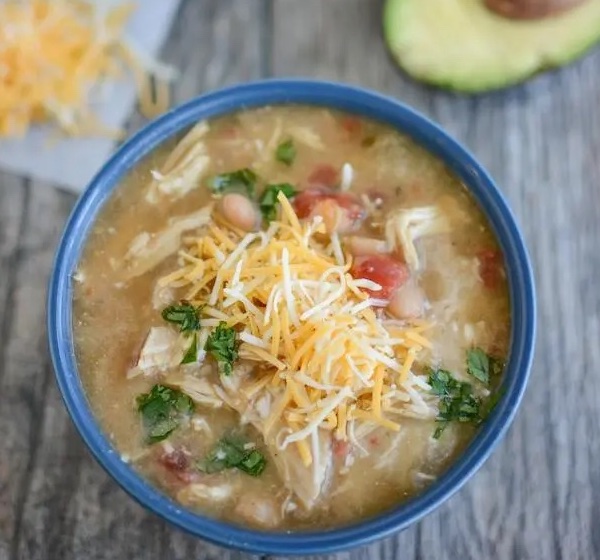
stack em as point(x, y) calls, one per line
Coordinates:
point(489, 81)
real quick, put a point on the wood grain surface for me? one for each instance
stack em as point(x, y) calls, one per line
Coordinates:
point(538, 497)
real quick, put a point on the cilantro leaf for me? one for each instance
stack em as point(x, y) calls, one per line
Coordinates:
point(222, 345)
point(226, 454)
point(483, 366)
point(185, 315)
point(253, 463)
point(457, 402)
point(441, 382)
point(162, 410)
point(439, 430)
point(242, 180)
point(230, 453)
point(286, 152)
point(478, 364)
point(192, 352)
point(268, 201)
point(496, 366)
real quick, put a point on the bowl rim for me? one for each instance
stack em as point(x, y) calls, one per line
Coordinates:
point(343, 97)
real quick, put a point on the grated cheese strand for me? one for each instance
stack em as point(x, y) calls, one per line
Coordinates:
point(327, 361)
point(54, 53)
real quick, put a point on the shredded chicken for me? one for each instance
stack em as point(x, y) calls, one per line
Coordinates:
point(347, 177)
point(162, 350)
point(406, 225)
point(148, 250)
point(162, 296)
point(198, 492)
point(307, 482)
point(200, 390)
point(389, 456)
point(308, 137)
point(259, 510)
point(183, 169)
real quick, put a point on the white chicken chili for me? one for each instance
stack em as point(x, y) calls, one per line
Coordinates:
point(292, 318)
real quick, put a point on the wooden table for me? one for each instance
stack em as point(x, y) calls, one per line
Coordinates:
point(538, 497)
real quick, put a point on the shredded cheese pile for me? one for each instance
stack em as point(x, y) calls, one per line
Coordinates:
point(308, 322)
point(53, 52)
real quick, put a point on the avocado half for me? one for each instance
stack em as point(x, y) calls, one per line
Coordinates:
point(462, 45)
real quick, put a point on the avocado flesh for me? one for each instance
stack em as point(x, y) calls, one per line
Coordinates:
point(461, 45)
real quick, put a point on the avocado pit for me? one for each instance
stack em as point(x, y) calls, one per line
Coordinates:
point(531, 9)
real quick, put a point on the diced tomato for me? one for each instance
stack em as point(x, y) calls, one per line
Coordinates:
point(177, 462)
point(350, 203)
point(324, 175)
point(352, 125)
point(230, 133)
point(305, 202)
point(490, 267)
point(340, 448)
point(388, 272)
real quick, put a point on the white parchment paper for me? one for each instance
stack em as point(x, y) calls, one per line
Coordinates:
point(71, 163)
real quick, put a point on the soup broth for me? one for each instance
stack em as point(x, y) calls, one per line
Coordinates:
point(291, 319)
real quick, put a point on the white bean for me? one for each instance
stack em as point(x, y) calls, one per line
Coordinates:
point(240, 211)
point(366, 246)
point(408, 302)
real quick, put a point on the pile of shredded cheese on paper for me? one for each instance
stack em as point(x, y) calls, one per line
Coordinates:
point(54, 52)
point(309, 323)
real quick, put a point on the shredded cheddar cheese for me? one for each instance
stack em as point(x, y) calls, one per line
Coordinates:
point(300, 313)
point(53, 53)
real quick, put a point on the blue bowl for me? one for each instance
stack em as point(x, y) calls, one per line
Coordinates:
point(353, 100)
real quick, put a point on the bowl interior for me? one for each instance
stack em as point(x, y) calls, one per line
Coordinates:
point(345, 98)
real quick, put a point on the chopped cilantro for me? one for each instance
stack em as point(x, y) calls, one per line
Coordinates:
point(268, 200)
point(457, 402)
point(222, 345)
point(478, 365)
point(441, 381)
point(496, 366)
point(230, 453)
point(253, 463)
point(286, 152)
point(242, 180)
point(482, 366)
point(192, 352)
point(162, 410)
point(185, 315)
